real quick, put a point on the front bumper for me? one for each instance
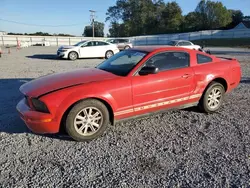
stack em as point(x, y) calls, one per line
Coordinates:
point(37, 122)
point(61, 54)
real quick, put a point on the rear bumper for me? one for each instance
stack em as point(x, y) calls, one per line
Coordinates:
point(37, 122)
point(116, 51)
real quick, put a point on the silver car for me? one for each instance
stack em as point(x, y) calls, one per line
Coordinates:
point(122, 44)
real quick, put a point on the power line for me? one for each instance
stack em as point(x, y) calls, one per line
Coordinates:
point(11, 21)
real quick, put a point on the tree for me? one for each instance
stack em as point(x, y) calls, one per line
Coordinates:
point(172, 18)
point(213, 14)
point(98, 27)
point(237, 17)
point(146, 17)
point(142, 17)
point(118, 30)
point(192, 22)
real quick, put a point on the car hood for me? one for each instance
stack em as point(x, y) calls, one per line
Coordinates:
point(67, 47)
point(56, 81)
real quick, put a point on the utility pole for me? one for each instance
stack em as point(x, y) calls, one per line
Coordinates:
point(92, 16)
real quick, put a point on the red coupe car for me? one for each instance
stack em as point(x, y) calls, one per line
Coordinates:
point(132, 83)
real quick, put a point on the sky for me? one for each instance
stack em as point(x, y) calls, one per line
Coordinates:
point(75, 12)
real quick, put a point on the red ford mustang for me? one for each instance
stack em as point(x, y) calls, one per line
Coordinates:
point(132, 83)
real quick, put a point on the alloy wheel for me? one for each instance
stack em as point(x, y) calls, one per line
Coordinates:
point(88, 121)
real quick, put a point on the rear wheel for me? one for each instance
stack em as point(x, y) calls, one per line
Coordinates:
point(109, 54)
point(73, 56)
point(87, 120)
point(213, 97)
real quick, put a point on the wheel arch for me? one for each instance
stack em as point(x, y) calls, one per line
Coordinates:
point(218, 80)
point(109, 107)
point(75, 52)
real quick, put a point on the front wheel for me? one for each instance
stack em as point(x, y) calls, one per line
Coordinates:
point(73, 56)
point(87, 120)
point(213, 97)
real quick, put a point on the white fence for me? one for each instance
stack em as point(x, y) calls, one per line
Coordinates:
point(212, 34)
point(10, 40)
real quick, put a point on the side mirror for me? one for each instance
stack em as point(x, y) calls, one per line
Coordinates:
point(148, 70)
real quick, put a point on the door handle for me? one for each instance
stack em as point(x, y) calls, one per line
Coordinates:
point(186, 76)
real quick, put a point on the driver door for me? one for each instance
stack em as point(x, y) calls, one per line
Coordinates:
point(174, 81)
point(86, 50)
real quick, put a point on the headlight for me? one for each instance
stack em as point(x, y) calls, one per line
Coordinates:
point(63, 50)
point(39, 105)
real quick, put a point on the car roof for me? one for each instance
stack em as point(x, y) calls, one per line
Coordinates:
point(181, 40)
point(158, 48)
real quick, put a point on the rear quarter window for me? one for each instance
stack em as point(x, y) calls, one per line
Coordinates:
point(203, 59)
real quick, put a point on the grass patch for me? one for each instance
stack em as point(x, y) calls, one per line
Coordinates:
point(240, 42)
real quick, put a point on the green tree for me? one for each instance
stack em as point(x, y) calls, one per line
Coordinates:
point(192, 22)
point(214, 15)
point(171, 18)
point(98, 28)
point(141, 17)
point(237, 17)
point(118, 30)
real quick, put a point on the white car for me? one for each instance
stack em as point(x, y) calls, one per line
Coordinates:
point(184, 44)
point(88, 49)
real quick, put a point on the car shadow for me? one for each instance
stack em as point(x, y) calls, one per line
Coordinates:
point(245, 80)
point(52, 57)
point(10, 122)
point(44, 56)
point(194, 109)
point(9, 97)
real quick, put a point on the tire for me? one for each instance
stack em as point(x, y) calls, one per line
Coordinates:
point(213, 88)
point(109, 54)
point(73, 56)
point(127, 47)
point(85, 128)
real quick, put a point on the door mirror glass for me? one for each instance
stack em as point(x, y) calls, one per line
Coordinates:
point(148, 70)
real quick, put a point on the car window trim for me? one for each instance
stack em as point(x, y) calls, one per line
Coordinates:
point(183, 51)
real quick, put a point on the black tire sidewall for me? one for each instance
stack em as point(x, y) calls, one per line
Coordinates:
point(69, 125)
point(204, 101)
point(107, 53)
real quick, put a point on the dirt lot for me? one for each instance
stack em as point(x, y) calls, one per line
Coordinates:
point(182, 148)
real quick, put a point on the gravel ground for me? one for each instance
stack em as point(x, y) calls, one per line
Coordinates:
point(181, 148)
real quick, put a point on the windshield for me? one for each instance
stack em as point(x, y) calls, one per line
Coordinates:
point(109, 40)
point(79, 43)
point(171, 43)
point(123, 62)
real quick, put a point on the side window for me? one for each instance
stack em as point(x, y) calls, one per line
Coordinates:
point(99, 43)
point(186, 43)
point(203, 59)
point(169, 60)
point(90, 44)
point(180, 44)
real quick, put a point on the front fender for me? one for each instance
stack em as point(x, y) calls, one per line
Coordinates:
point(59, 101)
